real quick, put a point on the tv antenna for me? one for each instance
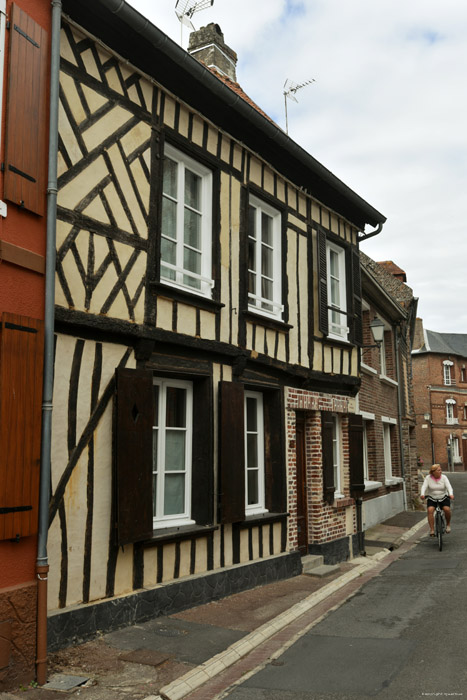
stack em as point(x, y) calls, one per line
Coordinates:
point(290, 88)
point(185, 9)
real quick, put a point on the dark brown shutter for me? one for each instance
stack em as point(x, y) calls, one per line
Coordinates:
point(202, 489)
point(231, 452)
point(26, 118)
point(323, 315)
point(134, 416)
point(356, 325)
point(357, 481)
point(274, 453)
point(328, 466)
point(21, 361)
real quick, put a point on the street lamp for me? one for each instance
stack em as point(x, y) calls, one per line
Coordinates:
point(377, 331)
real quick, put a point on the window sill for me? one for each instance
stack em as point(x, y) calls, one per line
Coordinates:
point(372, 485)
point(388, 380)
point(185, 297)
point(275, 324)
point(341, 501)
point(179, 533)
point(260, 518)
point(393, 481)
point(367, 369)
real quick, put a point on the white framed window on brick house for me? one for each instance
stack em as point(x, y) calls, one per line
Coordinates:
point(447, 373)
point(186, 229)
point(389, 428)
point(368, 431)
point(336, 455)
point(451, 418)
point(254, 453)
point(264, 259)
point(172, 452)
point(455, 450)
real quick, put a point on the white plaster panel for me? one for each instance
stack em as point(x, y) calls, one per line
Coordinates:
point(93, 98)
point(102, 129)
point(208, 325)
point(90, 64)
point(255, 171)
point(164, 314)
point(114, 81)
point(150, 567)
point(127, 187)
point(65, 49)
point(201, 556)
point(168, 562)
point(72, 193)
point(74, 102)
point(69, 140)
point(198, 130)
point(185, 558)
point(169, 111)
point(183, 121)
point(124, 570)
point(75, 514)
point(228, 551)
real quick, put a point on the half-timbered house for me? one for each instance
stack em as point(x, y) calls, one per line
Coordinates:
point(208, 317)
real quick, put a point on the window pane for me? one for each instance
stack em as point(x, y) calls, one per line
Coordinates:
point(252, 450)
point(192, 229)
point(174, 450)
point(335, 296)
point(169, 182)
point(334, 263)
point(192, 189)
point(168, 251)
point(251, 415)
point(266, 261)
point(169, 218)
point(176, 407)
point(174, 494)
point(252, 222)
point(266, 288)
point(251, 255)
point(266, 229)
point(253, 493)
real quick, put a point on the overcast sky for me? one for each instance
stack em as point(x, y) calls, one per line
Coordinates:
point(387, 115)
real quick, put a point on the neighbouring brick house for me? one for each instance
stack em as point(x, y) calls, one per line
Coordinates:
point(385, 399)
point(208, 324)
point(24, 61)
point(440, 390)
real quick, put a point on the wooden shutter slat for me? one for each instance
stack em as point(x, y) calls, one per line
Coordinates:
point(202, 488)
point(328, 466)
point(231, 452)
point(134, 416)
point(25, 155)
point(357, 480)
point(323, 316)
point(21, 362)
point(276, 501)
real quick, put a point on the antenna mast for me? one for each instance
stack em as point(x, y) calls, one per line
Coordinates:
point(185, 9)
point(290, 88)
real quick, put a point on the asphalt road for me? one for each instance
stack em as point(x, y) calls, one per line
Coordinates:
point(403, 635)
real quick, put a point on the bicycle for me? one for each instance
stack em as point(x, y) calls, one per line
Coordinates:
point(440, 523)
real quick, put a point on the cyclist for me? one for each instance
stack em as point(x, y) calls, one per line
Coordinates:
point(437, 487)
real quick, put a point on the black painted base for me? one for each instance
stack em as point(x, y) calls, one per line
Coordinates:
point(84, 622)
point(336, 551)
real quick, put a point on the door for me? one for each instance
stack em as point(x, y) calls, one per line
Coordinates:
point(302, 511)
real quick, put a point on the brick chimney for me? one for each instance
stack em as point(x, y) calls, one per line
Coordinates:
point(207, 46)
point(419, 338)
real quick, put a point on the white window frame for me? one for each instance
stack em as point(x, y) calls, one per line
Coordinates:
point(455, 448)
point(159, 519)
point(450, 420)
point(447, 379)
point(336, 455)
point(366, 463)
point(387, 451)
point(338, 327)
point(181, 274)
point(259, 506)
point(270, 307)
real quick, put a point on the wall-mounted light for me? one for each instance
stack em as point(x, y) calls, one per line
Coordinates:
point(377, 331)
point(426, 416)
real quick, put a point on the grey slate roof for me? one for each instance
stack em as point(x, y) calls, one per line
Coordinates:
point(445, 343)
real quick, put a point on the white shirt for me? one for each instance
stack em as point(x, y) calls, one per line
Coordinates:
point(436, 488)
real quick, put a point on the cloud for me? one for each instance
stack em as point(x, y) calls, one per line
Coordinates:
point(386, 115)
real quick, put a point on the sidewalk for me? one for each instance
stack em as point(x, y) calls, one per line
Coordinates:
point(178, 656)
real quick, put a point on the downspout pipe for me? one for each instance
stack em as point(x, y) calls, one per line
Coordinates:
point(42, 564)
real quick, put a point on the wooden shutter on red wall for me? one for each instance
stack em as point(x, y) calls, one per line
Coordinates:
point(328, 463)
point(134, 417)
point(21, 361)
point(26, 120)
point(231, 452)
point(357, 481)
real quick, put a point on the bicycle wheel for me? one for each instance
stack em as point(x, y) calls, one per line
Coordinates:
point(439, 530)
